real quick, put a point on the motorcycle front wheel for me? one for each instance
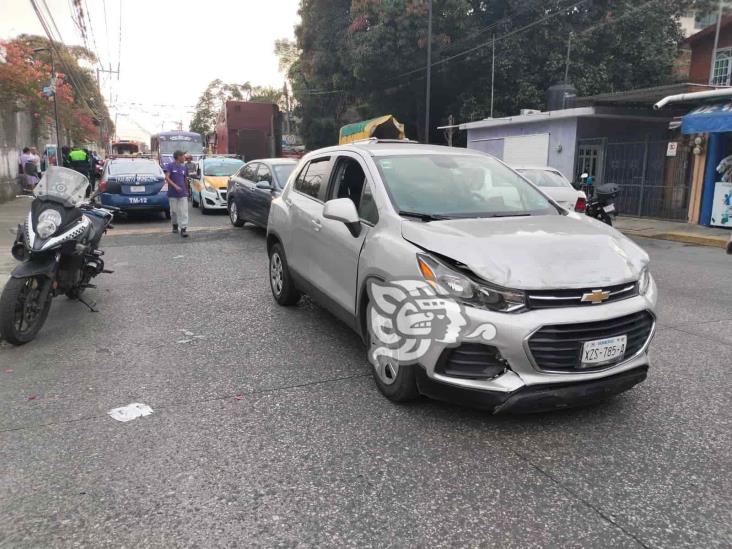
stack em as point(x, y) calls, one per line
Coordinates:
point(22, 313)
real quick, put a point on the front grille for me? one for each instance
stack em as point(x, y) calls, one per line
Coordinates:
point(547, 299)
point(558, 347)
point(471, 361)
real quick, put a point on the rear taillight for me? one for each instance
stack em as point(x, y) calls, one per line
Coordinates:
point(103, 185)
point(580, 205)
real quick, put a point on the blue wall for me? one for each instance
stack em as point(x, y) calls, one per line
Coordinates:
point(561, 132)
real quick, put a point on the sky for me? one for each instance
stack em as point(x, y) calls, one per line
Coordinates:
point(170, 50)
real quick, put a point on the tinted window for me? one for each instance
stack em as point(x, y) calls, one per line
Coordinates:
point(147, 167)
point(459, 185)
point(263, 174)
point(250, 172)
point(282, 172)
point(313, 179)
point(367, 207)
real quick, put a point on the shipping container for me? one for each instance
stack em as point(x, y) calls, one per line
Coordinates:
point(250, 129)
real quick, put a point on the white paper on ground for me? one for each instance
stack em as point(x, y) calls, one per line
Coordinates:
point(130, 412)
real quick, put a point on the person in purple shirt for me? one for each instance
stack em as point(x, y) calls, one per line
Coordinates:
point(175, 177)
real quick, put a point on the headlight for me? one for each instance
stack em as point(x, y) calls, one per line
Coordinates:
point(468, 291)
point(48, 223)
point(644, 281)
point(210, 189)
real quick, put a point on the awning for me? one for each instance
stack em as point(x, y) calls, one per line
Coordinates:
point(711, 118)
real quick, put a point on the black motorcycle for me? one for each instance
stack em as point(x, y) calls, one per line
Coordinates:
point(58, 250)
point(601, 201)
point(601, 204)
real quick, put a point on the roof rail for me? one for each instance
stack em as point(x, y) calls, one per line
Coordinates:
point(381, 140)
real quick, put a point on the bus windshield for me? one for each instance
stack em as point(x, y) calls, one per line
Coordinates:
point(186, 143)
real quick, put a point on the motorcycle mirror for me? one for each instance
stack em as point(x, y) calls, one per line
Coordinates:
point(584, 175)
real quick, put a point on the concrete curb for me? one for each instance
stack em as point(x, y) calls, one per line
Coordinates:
point(687, 238)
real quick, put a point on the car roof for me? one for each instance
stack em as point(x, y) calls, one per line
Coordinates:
point(544, 168)
point(273, 161)
point(395, 147)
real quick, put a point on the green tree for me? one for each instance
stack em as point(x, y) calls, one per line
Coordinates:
point(212, 100)
point(364, 58)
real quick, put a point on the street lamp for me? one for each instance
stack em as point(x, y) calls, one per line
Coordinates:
point(55, 105)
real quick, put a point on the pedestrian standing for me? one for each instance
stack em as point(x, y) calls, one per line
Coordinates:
point(175, 177)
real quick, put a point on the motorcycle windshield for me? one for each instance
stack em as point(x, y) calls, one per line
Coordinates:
point(62, 183)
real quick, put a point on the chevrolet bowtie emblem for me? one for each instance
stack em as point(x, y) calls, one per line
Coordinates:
point(595, 296)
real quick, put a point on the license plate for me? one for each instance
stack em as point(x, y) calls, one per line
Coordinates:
point(138, 200)
point(599, 351)
point(137, 189)
point(610, 208)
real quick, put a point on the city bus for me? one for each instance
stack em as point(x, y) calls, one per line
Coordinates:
point(164, 144)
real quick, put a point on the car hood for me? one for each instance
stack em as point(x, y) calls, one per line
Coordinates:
point(538, 252)
point(216, 181)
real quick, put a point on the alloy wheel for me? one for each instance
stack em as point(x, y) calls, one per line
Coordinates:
point(233, 214)
point(276, 274)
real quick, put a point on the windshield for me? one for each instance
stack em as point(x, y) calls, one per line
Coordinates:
point(459, 186)
point(282, 172)
point(545, 178)
point(62, 183)
point(146, 167)
point(186, 143)
point(218, 168)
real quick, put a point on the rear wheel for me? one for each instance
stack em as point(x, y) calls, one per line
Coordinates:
point(21, 312)
point(280, 280)
point(234, 214)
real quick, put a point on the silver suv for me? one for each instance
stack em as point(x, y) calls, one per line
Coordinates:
point(465, 281)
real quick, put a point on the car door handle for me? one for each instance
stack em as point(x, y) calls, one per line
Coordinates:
point(317, 224)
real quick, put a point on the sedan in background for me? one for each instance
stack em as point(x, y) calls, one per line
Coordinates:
point(134, 184)
point(556, 186)
point(208, 187)
point(253, 188)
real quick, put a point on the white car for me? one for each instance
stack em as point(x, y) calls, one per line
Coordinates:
point(556, 186)
point(209, 186)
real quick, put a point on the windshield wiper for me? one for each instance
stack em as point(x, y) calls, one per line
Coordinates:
point(424, 216)
point(510, 215)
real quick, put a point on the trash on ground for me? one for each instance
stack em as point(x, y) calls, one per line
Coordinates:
point(130, 412)
point(184, 341)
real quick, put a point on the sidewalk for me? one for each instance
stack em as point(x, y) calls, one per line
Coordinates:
point(673, 230)
point(12, 212)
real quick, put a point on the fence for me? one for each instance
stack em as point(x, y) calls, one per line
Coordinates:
point(651, 183)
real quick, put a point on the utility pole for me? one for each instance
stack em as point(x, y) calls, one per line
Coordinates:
point(566, 63)
point(716, 42)
point(429, 73)
point(55, 104)
point(493, 69)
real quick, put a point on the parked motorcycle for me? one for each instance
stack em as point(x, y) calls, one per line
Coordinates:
point(601, 201)
point(58, 250)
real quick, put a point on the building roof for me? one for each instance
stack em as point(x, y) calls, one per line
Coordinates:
point(643, 96)
point(708, 32)
point(577, 112)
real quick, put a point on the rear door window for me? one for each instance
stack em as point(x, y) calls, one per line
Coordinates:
point(313, 179)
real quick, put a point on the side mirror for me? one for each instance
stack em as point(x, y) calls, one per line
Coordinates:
point(584, 175)
point(264, 185)
point(343, 210)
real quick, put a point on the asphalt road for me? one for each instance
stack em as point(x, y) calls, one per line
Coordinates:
point(268, 430)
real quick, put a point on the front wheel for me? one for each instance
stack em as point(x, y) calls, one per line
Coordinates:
point(21, 311)
point(202, 205)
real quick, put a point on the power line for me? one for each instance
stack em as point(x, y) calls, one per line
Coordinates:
point(497, 39)
point(93, 37)
point(52, 44)
point(106, 28)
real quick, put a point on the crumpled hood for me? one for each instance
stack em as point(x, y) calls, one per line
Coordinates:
point(217, 182)
point(538, 252)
